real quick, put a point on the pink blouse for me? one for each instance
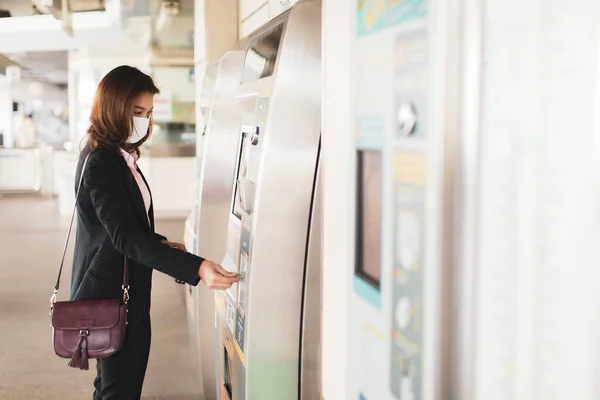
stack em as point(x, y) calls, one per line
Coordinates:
point(131, 160)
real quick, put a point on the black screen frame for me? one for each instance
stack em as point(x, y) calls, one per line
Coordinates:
point(236, 176)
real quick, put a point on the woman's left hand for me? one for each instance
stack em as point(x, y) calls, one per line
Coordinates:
point(175, 245)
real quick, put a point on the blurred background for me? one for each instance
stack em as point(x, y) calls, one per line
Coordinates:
point(418, 207)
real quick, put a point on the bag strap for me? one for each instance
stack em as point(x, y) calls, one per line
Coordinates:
point(125, 285)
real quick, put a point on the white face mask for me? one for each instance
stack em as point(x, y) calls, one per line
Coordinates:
point(140, 129)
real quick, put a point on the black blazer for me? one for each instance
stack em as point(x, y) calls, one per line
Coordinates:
point(111, 223)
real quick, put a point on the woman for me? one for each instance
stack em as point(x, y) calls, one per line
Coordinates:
point(115, 218)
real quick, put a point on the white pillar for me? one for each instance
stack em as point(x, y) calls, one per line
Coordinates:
point(537, 281)
point(6, 112)
point(74, 135)
point(337, 140)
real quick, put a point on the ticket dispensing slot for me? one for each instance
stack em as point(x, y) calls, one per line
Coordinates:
point(227, 389)
point(227, 373)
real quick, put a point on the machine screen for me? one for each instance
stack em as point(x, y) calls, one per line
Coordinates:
point(368, 216)
point(240, 174)
point(261, 55)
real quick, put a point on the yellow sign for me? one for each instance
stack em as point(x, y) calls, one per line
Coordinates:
point(410, 168)
point(378, 334)
point(239, 352)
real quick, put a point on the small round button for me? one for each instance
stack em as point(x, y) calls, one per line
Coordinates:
point(254, 138)
point(406, 119)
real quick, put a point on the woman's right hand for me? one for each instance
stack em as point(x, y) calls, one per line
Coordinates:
point(216, 277)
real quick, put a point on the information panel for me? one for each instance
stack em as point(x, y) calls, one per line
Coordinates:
point(392, 105)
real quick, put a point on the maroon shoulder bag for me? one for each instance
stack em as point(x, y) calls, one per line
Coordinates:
point(85, 329)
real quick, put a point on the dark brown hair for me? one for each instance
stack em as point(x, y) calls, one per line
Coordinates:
point(111, 118)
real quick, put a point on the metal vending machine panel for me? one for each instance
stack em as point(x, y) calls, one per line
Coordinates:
point(216, 162)
point(396, 330)
point(261, 322)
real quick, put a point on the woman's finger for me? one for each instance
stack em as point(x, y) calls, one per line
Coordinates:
point(224, 287)
point(226, 279)
point(214, 278)
point(223, 271)
point(219, 286)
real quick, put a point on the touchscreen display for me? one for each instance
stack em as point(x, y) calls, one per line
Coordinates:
point(368, 216)
point(261, 55)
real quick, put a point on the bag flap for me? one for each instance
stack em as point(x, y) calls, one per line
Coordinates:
point(86, 314)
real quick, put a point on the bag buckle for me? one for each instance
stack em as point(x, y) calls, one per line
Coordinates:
point(125, 293)
point(53, 299)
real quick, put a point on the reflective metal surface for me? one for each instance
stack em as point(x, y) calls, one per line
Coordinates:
point(310, 355)
point(267, 326)
point(216, 158)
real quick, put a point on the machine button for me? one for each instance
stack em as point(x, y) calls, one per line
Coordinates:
point(407, 119)
point(254, 138)
point(403, 311)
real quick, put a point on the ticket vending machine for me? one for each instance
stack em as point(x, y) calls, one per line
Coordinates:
point(268, 325)
point(399, 328)
point(204, 98)
point(217, 150)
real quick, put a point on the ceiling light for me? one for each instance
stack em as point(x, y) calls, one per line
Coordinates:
point(168, 10)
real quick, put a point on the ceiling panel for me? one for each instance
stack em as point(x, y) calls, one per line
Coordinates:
point(17, 8)
point(42, 59)
point(51, 66)
point(20, 8)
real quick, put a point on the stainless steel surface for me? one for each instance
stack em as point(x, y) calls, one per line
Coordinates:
point(260, 342)
point(246, 194)
point(169, 150)
point(310, 356)
point(216, 157)
point(448, 39)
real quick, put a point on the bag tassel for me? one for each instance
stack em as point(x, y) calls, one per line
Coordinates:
point(80, 355)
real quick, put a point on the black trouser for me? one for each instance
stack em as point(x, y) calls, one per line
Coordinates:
point(121, 376)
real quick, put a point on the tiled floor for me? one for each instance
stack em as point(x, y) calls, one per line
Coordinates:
point(31, 236)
